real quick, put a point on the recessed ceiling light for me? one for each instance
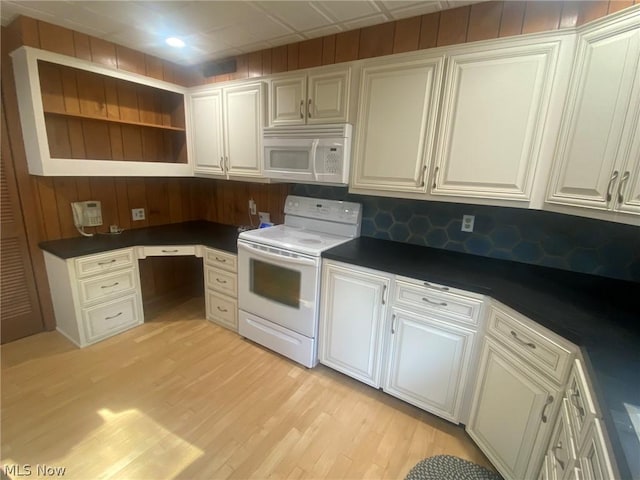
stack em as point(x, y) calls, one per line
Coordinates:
point(175, 42)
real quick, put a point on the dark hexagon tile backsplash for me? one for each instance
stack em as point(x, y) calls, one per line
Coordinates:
point(529, 236)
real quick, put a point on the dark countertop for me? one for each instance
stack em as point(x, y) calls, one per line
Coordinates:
point(200, 232)
point(600, 315)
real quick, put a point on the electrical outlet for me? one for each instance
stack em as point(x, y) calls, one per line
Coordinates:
point(114, 229)
point(137, 214)
point(265, 217)
point(252, 207)
point(467, 223)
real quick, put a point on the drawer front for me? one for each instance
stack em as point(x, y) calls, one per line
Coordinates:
point(222, 309)
point(562, 452)
point(221, 281)
point(110, 318)
point(530, 343)
point(435, 300)
point(219, 259)
point(581, 406)
point(107, 286)
point(169, 250)
point(103, 262)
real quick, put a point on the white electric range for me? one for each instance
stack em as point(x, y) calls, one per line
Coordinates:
point(279, 274)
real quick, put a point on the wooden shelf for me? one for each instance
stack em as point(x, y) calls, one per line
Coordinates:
point(114, 120)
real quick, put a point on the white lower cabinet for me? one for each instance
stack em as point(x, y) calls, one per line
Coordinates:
point(221, 288)
point(354, 305)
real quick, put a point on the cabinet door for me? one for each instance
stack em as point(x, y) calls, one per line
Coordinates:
point(288, 100)
point(427, 363)
point(206, 133)
point(512, 412)
point(494, 109)
point(351, 317)
point(397, 109)
point(328, 97)
point(243, 113)
point(628, 193)
point(593, 139)
point(595, 463)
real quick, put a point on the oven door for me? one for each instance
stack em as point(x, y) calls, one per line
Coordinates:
point(279, 286)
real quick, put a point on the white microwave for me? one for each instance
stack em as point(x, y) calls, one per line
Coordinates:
point(308, 153)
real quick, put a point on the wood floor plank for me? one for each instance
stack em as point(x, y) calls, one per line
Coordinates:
point(179, 397)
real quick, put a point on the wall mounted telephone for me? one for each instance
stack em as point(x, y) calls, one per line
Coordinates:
point(86, 214)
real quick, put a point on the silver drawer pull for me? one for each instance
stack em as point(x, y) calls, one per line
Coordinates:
point(574, 400)
point(170, 251)
point(221, 281)
point(437, 287)
point(384, 290)
point(439, 304)
point(112, 285)
point(393, 322)
point(526, 344)
point(557, 447)
point(113, 316)
point(544, 409)
point(107, 263)
point(222, 260)
point(223, 310)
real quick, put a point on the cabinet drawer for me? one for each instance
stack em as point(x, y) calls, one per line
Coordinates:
point(533, 345)
point(219, 259)
point(107, 286)
point(581, 407)
point(435, 299)
point(222, 309)
point(103, 262)
point(169, 250)
point(562, 451)
point(221, 281)
point(106, 319)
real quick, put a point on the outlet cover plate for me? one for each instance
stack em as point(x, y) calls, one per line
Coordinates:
point(467, 223)
point(137, 214)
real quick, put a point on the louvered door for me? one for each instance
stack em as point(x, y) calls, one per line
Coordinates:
point(20, 313)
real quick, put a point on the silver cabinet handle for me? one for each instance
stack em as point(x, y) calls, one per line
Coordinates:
point(221, 281)
point(439, 304)
point(573, 398)
point(112, 285)
point(623, 180)
point(223, 310)
point(424, 171)
point(309, 109)
point(222, 260)
point(227, 163)
point(610, 186)
point(107, 263)
point(522, 342)
point(301, 107)
point(544, 409)
point(170, 251)
point(437, 287)
point(553, 450)
point(393, 322)
point(113, 316)
point(222, 163)
point(384, 290)
point(435, 177)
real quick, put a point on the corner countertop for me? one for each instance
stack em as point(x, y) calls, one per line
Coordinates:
point(200, 232)
point(600, 315)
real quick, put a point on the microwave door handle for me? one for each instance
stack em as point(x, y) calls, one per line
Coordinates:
point(281, 259)
point(314, 149)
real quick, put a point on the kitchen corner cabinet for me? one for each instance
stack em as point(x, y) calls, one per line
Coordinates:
point(95, 296)
point(226, 130)
point(317, 96)
point(396, 124)
point(353, 310)
point(598, 152)
point(91, 120)
point(494, 119)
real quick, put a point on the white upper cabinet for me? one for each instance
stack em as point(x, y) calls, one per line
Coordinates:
point(315, 97)
point(492, 124)
point(226, 130)
point(598, 152)
point(395, 125)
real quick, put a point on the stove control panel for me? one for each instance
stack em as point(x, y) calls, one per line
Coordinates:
point(323, 209)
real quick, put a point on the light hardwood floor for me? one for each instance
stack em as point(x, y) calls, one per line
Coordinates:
point(180, 397)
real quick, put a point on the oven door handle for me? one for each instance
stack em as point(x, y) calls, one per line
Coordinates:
point(278, 258)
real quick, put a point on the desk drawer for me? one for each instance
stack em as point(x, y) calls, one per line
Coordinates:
point(169, 250)
point(103, 287)
point(103, 262)
point(221, 281)
point(222, 309)
point(109, 318)
point(531, 342)
point(220, 259)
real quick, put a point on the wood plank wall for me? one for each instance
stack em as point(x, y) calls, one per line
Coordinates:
point(481, 21)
